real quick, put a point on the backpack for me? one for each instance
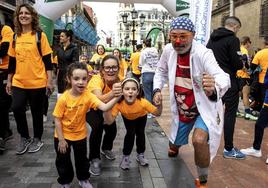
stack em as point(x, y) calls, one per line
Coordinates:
point(38, 35)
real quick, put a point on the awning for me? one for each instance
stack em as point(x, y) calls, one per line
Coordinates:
point(81, 27)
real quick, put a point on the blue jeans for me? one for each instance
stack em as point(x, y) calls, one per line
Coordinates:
point(147, 83)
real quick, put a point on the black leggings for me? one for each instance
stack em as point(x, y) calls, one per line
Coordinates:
point(261, 123)
point(134, 128)
point(95, 120)
point(64, 162)
point(35, 98)
point(5, 103)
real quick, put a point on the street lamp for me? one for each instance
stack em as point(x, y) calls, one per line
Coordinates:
point(134, 16)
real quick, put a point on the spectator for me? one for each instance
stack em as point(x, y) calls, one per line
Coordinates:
point(244, 78)
point(148, 60)
point(67, 54)
point(260, 125)
point(98, 56)
point(122, 63)
point(134, 61)
point(226, 47)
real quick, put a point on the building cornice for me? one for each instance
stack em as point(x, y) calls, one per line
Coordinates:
point(7, 6)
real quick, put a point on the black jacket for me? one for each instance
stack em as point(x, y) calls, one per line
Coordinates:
point(67, 56)
point(226, 47)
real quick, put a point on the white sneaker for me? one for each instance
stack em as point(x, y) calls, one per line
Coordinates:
point(85, 184)
point(252, 152)
point(266, 161)
point(44, 118)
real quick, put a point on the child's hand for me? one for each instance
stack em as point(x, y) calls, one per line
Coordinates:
point(157, 98)
point(62, 147)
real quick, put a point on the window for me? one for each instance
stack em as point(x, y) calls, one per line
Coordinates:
point(264, 19)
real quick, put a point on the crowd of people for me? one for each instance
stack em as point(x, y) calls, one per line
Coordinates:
point(205, 86)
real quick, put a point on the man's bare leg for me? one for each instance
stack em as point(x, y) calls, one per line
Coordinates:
point(201, 153)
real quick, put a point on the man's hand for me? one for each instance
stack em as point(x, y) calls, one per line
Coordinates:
point(157, 98)
point(117, 89)
point(208, 84)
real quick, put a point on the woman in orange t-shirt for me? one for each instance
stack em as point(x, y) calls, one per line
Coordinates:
point(122, 63)
point(134, 110)
point(30, 76)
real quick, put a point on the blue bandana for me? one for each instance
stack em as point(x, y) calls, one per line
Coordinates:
point(182, 23)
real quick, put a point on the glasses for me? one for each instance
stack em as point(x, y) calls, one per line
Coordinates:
point(110, 68)
point(182, 36)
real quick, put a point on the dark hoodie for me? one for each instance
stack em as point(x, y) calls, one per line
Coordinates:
point(225, 46)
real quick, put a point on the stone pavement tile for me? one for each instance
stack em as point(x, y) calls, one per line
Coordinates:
point(159, 183)
point(146, 177)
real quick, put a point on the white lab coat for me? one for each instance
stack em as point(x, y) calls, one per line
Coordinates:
point(202, 61)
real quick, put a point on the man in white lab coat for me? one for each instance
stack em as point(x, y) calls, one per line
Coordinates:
point(196, 85)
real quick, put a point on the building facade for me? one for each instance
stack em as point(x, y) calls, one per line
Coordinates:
point(252, 13)
point(154, 18)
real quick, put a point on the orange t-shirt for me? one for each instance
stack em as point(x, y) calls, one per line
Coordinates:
point(135, 57)
point(96, 83)
point(138, 109)
point(122, 68)
point(7, 36)
point(261, 58)
point(72, 112)
point(30, 69)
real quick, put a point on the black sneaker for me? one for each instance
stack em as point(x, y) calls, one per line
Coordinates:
point(8, 135)
point(35, 145)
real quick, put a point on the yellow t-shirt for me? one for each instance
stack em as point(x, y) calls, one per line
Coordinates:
point(96, 83)
point(261, 58)
point(89, 68)
point(135, 57)
point(7, 36)
point(30, 69)
point(72, 112)
point(138, 109)
point(243, 73)
point(122, 68)
point(97, 57)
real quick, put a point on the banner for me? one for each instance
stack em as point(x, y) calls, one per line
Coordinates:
point(177, 7)
point(200, 14)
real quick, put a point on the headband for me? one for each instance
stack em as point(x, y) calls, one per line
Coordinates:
point(182, 23)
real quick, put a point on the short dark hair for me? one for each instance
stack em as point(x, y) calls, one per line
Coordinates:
point(71, 68)
point(148, 42)
point(244, 40)
point(232, 20)
point(139, 46)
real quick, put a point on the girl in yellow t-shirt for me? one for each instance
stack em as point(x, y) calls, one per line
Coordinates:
point(134, 111)
point(71, 130)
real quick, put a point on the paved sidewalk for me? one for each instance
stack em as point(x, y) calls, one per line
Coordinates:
point(227, 173)
point(38, 170)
